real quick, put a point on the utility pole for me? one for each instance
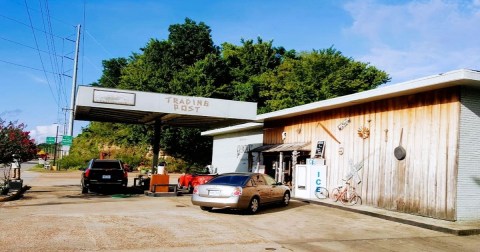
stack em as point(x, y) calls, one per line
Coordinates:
point(74, 83)
point(55, 153)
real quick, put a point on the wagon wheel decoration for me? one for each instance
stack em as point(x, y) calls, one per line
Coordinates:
point(363, 132)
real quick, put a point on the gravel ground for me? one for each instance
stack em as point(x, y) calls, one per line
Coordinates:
point(54, 216)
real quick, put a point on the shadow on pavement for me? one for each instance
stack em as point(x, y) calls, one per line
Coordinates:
point(266, 209)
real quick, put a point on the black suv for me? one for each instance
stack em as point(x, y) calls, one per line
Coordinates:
point(102, 174)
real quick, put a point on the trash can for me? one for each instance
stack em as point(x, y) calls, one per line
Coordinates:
point(15, 184)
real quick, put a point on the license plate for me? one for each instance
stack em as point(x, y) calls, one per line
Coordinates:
point(214, 193)
point(106, 176)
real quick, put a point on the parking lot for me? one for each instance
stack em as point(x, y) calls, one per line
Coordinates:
point(54, 216)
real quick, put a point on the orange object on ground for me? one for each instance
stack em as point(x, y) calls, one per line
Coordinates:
point(159, 179)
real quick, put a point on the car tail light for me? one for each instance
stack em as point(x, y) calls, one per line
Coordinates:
point(87, 172)
point(125, 174)
point(195, 190)
point(237, 191)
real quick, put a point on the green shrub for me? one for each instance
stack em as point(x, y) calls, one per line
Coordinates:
point(73, 162)
point(133, 156)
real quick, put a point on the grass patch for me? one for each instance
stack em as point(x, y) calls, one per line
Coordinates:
point(39, 168)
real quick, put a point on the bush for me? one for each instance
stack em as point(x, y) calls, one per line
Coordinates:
point(74, 162)
point(133, 156)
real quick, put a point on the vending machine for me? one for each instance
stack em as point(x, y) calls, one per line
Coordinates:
point(309, 177)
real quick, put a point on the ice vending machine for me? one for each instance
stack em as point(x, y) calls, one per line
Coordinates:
point(309, 177)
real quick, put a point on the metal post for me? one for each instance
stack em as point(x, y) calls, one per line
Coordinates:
point(156, 145)
point(280, 168)
point(55, 153)
point(294, 170)
point(74, 83)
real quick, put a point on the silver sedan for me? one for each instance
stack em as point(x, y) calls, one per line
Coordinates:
point(246, 191)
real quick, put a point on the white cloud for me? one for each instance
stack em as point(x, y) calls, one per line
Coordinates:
point(418, 38)
point(6, 115)
point(40, 133)
point(37, 79)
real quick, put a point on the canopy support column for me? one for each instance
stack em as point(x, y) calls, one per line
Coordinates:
point(156, 145)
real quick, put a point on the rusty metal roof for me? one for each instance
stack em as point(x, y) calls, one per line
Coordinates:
point(284, 147)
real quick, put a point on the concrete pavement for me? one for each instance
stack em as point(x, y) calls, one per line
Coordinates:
point(55, 216)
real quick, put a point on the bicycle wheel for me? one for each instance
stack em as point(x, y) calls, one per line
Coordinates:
point(321, 193)
point(352, 200)
point(335, 193)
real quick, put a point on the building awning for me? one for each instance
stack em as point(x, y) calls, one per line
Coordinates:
point(283, 147)
point(137, 107)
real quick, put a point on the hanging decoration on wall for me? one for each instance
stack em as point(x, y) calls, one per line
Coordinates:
point(399, 151)
point(343, 124)
point(320, 150)
point(328, 132)
point(363, 132)
point(354, 169)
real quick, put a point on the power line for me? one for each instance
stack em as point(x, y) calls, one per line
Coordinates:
point(20, 65)
point(104, 49)
point(54, 18)
point(41, 60)
point(31, 47)
point(51, 48)
point(29, 26)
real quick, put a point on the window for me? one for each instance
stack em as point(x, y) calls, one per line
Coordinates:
point(106, 165)
point(270, 180)
point(258, 179)
point(234, 180)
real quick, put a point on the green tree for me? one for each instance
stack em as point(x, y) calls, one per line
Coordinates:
point(190, 42)
point(151, 71)
point(189, 63)
point(247, 61)
point(315, 76)
point(112, 72)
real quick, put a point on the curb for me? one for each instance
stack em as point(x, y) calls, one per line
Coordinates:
point(458, 232)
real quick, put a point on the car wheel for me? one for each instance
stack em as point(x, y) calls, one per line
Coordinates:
point(204, 208)
point(253, 206)
point(84, 190)
point(286, 199)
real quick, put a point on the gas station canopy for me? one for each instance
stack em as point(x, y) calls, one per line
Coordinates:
point(136, 107)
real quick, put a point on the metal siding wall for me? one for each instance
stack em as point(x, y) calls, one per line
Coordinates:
point(226, 156)
point(424, 183)
point(468, 196)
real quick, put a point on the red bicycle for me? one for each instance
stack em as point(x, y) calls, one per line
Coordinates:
point(346, 195)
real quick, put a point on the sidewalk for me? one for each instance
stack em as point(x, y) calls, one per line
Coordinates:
point(460, 228)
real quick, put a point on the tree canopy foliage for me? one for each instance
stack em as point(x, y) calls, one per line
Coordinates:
point(189, 63)
point(15, 140)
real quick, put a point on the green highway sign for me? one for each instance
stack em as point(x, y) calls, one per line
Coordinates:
point(67, 140)
point(50, 140)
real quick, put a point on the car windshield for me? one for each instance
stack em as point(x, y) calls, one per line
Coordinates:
point(234, 180)
point(106, 165)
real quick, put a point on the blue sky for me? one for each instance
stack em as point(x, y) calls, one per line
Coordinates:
point(407, 39)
